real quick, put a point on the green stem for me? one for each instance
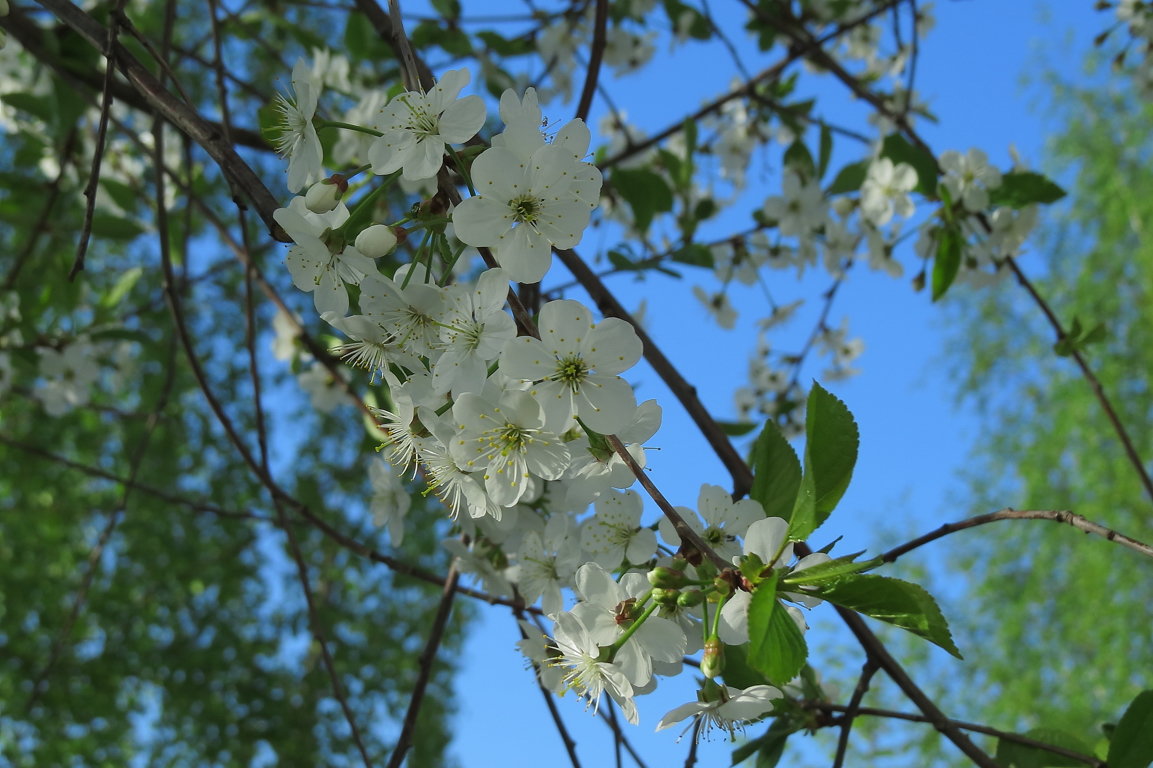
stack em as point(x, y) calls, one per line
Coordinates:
point(348, 127)
point(620, 641)
point(459, 163)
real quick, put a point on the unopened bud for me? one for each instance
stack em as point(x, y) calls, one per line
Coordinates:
point(713, 662)
point(665, 597)
point(666, 577)
point(323, 196)
point(690, 598)
point(376, 241)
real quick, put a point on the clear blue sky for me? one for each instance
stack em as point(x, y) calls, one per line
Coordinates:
point(971, 71)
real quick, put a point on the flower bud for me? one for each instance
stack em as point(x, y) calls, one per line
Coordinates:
point(666, 577)
point(323, 196)
point(665, 597)
point(690, 598)
point(376, 241)
point(713, 662)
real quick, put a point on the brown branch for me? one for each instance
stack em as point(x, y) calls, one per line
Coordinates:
point(1056, 516)
point(427, 657)
point(974, 727)
point(596, 56)
point(98, 149)
point(562, 731)
point(851, 711)
point(176, 112)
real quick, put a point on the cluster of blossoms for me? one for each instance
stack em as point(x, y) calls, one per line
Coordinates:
point(508, 424)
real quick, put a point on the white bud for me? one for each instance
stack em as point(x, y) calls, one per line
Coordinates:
point(376, 241)
point(321, 197)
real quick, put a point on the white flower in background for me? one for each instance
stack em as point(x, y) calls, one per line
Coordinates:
point(969, 177)
point(575, 363)
point(390, 500)
point(886, 191)
point(322, 388)
point(724, 520)
point(476, 559)
point(584, 673)
point(415, 127)
point(627, 51)
point(298, 140)
point(286, 330)
point(718, 305)
point(799, 209)
point(473, 331)
point(729, 711)
point(5, 372)
point(506, 441)
point(545, 564)
point(525, 208)
point(615, 535)
point(68, 376)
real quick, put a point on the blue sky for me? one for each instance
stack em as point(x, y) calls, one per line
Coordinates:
point(979, 71)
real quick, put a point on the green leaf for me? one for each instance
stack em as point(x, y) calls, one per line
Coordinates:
point(1132, 742)
point(450, 9)
point(121, 288)
point(1021, 188)
point(738, 673)
point(1011, 754)
point(646, 193)
point(831, 569)
point(115, 227)
point(948, 260)
point(825, 152)
point(695, 255)
point(831, 440)
point(776, 472)
point(361, 40)
point(736, 428)
point(897, 602)
point(768, 747)
point(40, 107)
point(503, 46)
point(776, 646)
point(799, 158)
point(122, 194)
point(849, 179)
point(898, 149)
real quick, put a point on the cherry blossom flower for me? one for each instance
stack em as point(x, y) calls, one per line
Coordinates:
point(506, 441)
point(68, 374)
point(575, 364)
point(726, 708)
point(886, 191)
point(799, 209)
point(525, 208)
point(584, 673)
point(614, 534)
point(298, 140)
point(969, 177)
point(415, 127)
point(473, 331)
point(725, 520)
point(317, 267)
point(390, 500)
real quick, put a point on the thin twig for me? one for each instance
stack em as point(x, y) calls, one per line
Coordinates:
point(596, 56)
point(424, 675)
point(1087, 372)
point(974, 727)
point(550, 703)
point(1056, 516)
point(101, 139)
point(859, 692)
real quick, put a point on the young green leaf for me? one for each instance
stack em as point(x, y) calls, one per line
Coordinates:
point(831, 440)
point(646, 193)
point(1132, 742)
point(776, 472)
point(830, 570)
point(800, 159)
point(825, 151)
point(849, 179)
point(897, 602)
point(777, 648)
point(948, 261)
point(1021, 188)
